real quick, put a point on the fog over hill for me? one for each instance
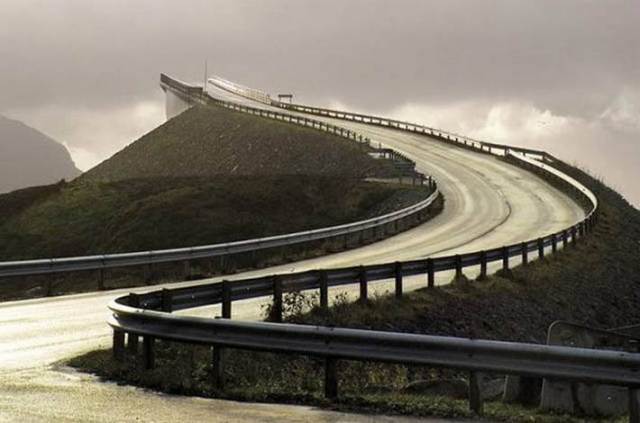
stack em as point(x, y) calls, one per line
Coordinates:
point(28, 157)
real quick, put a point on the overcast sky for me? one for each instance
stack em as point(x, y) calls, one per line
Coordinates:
point(559, 75)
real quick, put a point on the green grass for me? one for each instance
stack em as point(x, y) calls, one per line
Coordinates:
point(156, 213)
point(596, 282)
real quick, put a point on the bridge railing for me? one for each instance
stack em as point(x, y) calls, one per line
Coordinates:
point(462, 140)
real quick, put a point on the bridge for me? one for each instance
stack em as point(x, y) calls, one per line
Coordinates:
point(500, 210)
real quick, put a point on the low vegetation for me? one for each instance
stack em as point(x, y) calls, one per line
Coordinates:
point(595, 282)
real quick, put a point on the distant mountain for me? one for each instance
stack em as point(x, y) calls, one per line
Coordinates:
point(28, 157)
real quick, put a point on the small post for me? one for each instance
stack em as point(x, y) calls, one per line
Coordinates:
point(147, 273)
point(475, 398)
point(324, 290)
point(132, 343)
point(398, 274)
point(149, 354)
point(431, 279)
point(525, 253)
point(634, 404)
point(483, 264)
point(216, 367)
point(505, 258)
point(101, 279)
point(277, 300)
point(118, 344)
point(330, 378)
point(363, 284)
point(167, 301)
point(540, 248)
point(458, 266)
point(573, 235)
point(226, 300)
point(565, 239)
point(187, 270)
point(554, 243)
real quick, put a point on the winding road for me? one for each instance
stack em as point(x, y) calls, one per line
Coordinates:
point(488, 203)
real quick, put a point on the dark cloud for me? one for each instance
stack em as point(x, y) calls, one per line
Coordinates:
point(571, 58)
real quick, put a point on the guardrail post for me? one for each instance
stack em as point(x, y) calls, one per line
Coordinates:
point(324, 291)
point(149, 354)
point(363, 284)
point(226, 300)
point(101, 279)
point(634, 404)
point(554, 244)
point(330, 378)
point(431, 279)
point(483, 264)
point(147, 273)
point(187, 270)
point(573, 235)
point(398, 274)
point(458, 266)
point(525, 253)
point(216, 367)
point(505, 258)
point(166, 301)
point(475, 398)
point(276, 311)
point(540, 248)
point(565, 239)
point(118, 344)
point(132, 338)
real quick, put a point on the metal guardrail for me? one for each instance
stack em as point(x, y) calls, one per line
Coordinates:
point(250, 93)
point(411, 127)
point(564, 363)
point(109, 261)
point(147, 315)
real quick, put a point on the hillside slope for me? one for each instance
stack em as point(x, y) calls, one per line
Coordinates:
point(213, 141)
point(29, 158)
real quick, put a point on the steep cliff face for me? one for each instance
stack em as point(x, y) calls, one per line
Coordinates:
point(28, 157)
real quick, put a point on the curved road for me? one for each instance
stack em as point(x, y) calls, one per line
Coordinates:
point(488, 203)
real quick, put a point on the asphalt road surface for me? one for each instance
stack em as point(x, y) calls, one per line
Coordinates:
point(488, 203)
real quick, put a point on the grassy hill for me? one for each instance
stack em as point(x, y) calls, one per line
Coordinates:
point(214, 141)
point(209, 175)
